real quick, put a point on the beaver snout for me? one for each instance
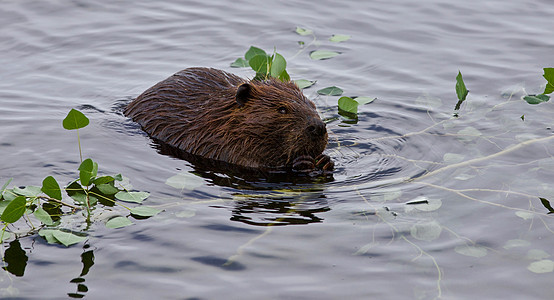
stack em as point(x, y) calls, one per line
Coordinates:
point(316, 129)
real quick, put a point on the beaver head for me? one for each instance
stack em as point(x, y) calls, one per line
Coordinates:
point(276, 123)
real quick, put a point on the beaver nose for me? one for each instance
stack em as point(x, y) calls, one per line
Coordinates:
point(316, 129)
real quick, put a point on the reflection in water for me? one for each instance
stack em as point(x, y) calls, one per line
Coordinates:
point(16, 259)
point(224, 174)
point(87, 258)
point(276, 212)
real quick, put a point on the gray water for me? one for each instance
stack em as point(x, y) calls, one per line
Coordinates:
point(480, 230)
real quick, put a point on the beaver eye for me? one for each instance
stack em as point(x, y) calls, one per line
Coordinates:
point(282, 110)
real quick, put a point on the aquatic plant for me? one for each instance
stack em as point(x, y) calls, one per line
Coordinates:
point(47, 205)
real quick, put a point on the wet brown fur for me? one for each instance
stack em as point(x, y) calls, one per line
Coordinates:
point(197, 111)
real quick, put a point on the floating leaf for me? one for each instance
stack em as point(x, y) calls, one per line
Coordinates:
point(135, 197)
point(547, 205)
point(51, 188)
point(240, 63)
point(303, 31)
point(48, 234)
point(185, 180)
point(364, 100)
point(87, 171)
point(185, 214)
point(304, 84)
point(330, 91)
point(145, 211)
point(28, 191)
point(337, 38)
point(348, 104)
point(474, 251)
point(524, 215)
point(452, 158)
point(253, 51)
point(536, 99)
point(541, 266)
point(118, 222)
point(75, 120)
point(15, 210)
point(43, 216)
point(516, 243)
point(461, 90)
point(5, 235)
point(426, 231)
point(67, 238)
point(536, 254)
point(323, 54)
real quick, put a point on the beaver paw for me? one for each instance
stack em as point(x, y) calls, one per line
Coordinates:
point(324, 162)
point(303, 163)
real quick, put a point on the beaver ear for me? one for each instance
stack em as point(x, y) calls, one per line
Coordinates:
point(243, 93)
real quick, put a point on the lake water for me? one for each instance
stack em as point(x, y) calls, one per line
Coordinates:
point(422, 205)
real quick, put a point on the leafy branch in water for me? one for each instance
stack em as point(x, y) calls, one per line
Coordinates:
point(46, 204)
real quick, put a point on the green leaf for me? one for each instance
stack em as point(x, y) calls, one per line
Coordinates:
point(330, 91)
point(549, 76)
point(87, 170)
point(323, 54)
point(135, 197)
point(107, 188)
point(43, 216)
point(546, 204)
point(337, 38)
point(118, 222)
point(240, 63)
point(75, 120)
point(67, 238)
point(28, 191)
point(51, 188)
point(253, 51)
point(48, 234)
point(15, 210)
point(474, 251)
point(536, 99)
point(118, 177)
point(278, 65)
point(461, 90)
point(303, 31)
point(284, 76)
point(364, 100)
point(260, 63)
point(145, 211)
point(426, 231)
point(304, 84)
point(5, 186)
point(348, 105)
point(103, 180)
point(5, 235)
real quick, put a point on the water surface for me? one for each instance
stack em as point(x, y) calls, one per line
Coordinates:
point(422, 206)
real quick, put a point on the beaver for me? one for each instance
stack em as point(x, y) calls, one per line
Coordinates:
point(251, 123)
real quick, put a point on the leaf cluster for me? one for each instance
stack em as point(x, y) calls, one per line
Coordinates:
point(45, 202)
point(263, 64)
